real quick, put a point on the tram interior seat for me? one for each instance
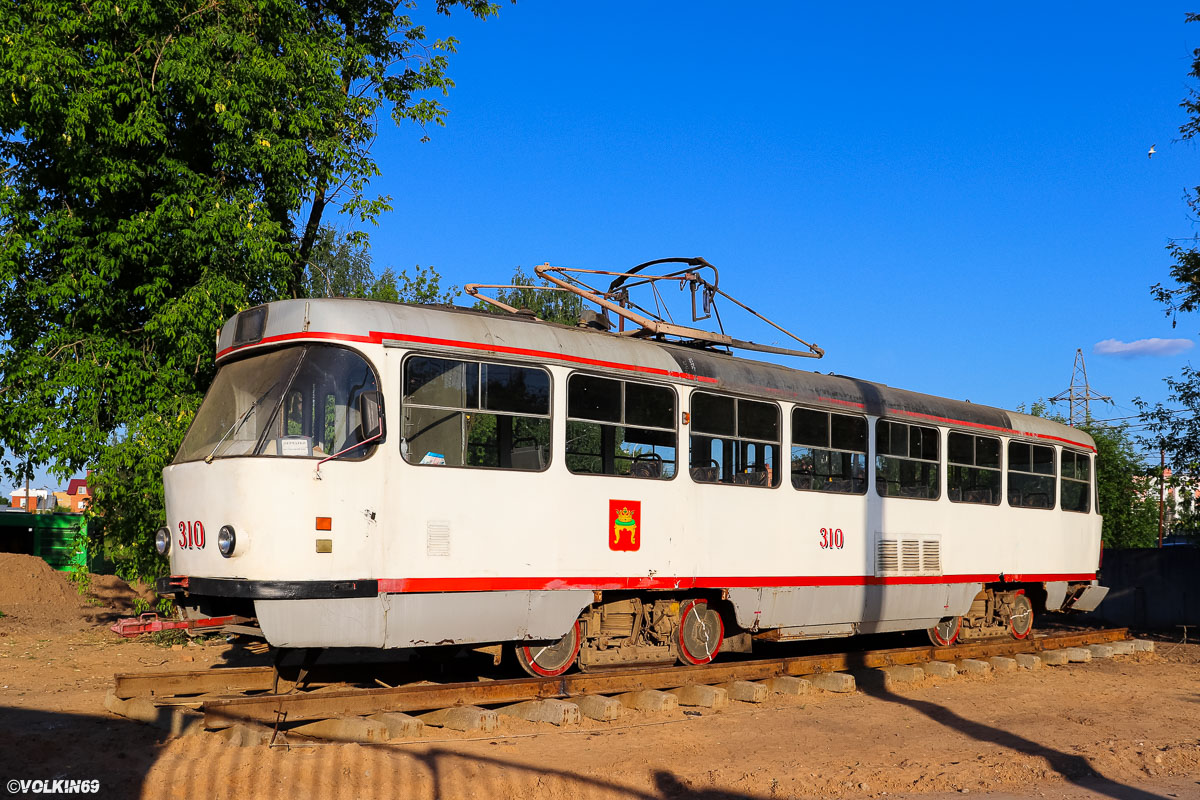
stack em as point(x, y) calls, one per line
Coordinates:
point(646, 469)
point(1028, 499)
point(706, 474)
point(528, 457)
point(756, 477)
point(983, 496)
point(823, 483)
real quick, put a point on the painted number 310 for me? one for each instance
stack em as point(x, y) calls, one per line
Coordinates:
point(191, 535)
point(832, 539)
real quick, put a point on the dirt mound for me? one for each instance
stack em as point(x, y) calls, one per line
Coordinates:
point(120, 596)
point(33, 593)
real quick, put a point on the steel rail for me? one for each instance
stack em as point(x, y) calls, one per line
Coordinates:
point(302, 707)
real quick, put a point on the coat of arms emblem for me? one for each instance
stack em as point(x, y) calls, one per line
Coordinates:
point(624, 516)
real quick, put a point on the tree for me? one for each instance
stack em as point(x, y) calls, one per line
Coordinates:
point(1128, 496)
point(553, 306)
point(163, 166)
point(340, 266)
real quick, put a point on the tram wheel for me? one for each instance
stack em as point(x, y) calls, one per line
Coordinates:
point(1020, 622)
point(945, 633)
point(550, 659)
point(700, 633)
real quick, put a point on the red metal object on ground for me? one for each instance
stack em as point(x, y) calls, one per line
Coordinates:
point(150, 623)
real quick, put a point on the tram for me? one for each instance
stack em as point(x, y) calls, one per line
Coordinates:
point(369, 474)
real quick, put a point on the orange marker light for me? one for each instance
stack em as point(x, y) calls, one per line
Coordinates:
point(324, 523)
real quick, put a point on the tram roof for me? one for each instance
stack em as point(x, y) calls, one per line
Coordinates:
point(355, 321)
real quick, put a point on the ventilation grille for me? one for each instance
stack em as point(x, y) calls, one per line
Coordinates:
point(908, 556)
point(888, 560)
point(931, 556)
point(437, 538)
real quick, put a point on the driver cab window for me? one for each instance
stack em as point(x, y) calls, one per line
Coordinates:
point(620, 428)
point(320, 415)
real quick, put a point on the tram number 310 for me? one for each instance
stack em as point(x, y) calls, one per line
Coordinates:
point(832, 539)
point(191, 535)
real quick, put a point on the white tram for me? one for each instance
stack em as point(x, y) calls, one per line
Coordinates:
point(367, 474)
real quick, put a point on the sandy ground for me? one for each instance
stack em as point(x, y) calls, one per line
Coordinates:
point(1125, 728)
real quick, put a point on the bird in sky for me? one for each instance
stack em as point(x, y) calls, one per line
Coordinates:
point(1151, 153)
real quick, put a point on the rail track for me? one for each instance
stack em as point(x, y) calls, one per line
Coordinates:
point(257, 696)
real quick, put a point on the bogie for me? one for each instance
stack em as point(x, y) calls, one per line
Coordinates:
point(633, 631)
point(997, 612)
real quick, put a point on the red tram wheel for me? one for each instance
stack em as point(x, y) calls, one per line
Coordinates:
point(1020, 622)
point(551, 659)
point(700, 633)
point(946, 632)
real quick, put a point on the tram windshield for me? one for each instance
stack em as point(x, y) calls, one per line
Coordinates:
point(299, 402)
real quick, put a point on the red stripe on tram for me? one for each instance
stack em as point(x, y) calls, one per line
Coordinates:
point(498, 584)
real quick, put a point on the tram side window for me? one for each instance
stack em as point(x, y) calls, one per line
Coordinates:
point(620, 428)
point(1030, 475)
point(475, 414)
point(734, 441)
point(1076, 481)
point(829, 452)
point(973, 468)
point(906, 460)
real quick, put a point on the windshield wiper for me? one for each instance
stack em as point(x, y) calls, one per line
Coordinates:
point(237, 426)
point(242, 420)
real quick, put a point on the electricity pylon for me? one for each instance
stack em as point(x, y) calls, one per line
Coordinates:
point(1079, 393)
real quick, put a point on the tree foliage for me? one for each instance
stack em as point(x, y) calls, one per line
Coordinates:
point(553, 306)
point(1128, 498)
point(162, 166)
point(340, 266)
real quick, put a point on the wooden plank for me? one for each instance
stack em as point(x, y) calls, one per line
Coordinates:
point(168, 684)
point(358, 702)
point(355, 702)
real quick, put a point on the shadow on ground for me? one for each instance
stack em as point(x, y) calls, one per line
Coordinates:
point(1074, 769)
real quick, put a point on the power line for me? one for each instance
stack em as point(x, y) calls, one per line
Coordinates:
point(1142, 416)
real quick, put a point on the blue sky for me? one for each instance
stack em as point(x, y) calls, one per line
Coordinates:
point(949, 200)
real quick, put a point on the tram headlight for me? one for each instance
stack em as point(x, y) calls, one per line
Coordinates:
point(162, 541)
point(226, 540)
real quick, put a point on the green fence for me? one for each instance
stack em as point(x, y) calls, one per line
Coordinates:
point(54, 537)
